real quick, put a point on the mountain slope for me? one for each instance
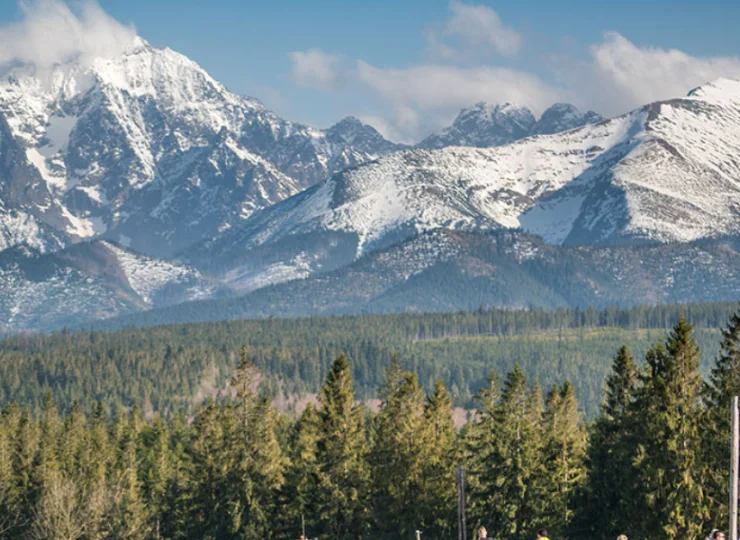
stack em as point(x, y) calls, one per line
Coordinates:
point(446, 271)
point(149, 150)
point(88, 281)
point(667, 172)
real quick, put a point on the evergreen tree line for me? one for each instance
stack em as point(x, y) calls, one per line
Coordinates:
point(174, 369)
point(652, 465)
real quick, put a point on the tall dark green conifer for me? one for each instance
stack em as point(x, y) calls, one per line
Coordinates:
point(611, 500)
point(397, 458)
point(300, 494)
point(723, 383)
point(512, 470)
point(564, 455)
point(438, 494)
point(344, 476)
point(669, 461)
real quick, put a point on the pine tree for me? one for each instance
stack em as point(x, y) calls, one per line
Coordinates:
point(509, 481)
point(481, 452)
point(344, 477)
point(723, 383)
point(300, 493)
point(611, 500)
point(397, 457)
point(438, 494)
point(128, 517)
point(564, 457)
point(257, 474)
point(669, 447)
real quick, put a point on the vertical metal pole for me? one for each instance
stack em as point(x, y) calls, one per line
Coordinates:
point(418, 535)
point(303, 527)
point(735, 450)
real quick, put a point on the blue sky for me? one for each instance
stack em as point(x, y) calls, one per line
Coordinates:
point(408, 66)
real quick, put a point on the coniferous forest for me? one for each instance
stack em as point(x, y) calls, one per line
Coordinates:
point(174, 369)
point(652, 464)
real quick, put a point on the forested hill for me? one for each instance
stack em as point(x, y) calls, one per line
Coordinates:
point(175, 368)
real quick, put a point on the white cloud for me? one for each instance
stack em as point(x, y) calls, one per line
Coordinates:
point(624, 76)
point(616, 77)
point(314, 68)
point(423, 98)
point(480, 26)
point(51, 32)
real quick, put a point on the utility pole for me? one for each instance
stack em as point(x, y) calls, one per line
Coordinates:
point(303, 527)
point(418, 535)
point(461, 526)
point(734, 451)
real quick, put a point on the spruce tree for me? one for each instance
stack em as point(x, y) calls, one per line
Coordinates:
point(397, 458)
point(11, 494)
point(481, 454)
point(669, 461)
point(610, 502)
point(564, 457)
point(258, 472)
point(723, 383)
point(128, 517)
point(300, 493)
point(344, 475)
point(508, 481)
point(438, 493)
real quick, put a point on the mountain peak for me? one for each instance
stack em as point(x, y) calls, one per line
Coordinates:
point(721, 91)
point(563, 117)
point(351, 130)
point(484, 125)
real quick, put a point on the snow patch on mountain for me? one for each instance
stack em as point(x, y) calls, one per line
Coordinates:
point(147, 276)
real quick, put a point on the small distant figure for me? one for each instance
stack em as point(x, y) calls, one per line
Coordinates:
point(542, 534)
point(716, 534)
point(482, 534)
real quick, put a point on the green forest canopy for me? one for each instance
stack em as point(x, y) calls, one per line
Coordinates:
point(173, 369)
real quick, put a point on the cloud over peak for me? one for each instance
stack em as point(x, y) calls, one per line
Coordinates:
point(52, 32)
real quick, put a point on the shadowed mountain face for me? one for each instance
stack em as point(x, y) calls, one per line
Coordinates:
point(89, 281)
point(449, 271)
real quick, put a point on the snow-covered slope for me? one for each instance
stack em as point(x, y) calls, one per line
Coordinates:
point(453, 270)
point(665, 172)
point(147, 149)
point(88, 281)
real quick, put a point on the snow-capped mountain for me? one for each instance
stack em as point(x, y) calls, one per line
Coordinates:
point(88, 281)
point(667, 172)
point(563, 117)
point(484, 125)
point(147, 149)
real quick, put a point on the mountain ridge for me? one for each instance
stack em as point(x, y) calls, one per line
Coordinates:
point(638, 178)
